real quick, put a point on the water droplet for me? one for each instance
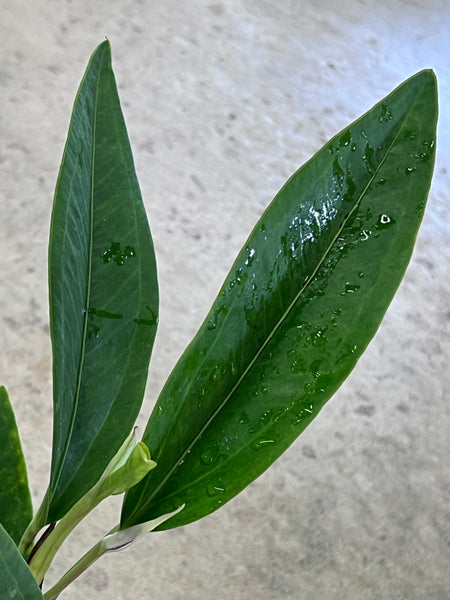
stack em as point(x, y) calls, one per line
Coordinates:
point(318, 337)
point(386, 113)
point(259, 444)
point(410, 170)
point(262, 228)
point(411, 135)
point(300, 415)
point(212, 323)
point(350, 288)
point(118, 255)
point(338, 172)
point(384, 222)
point(93, 332)
point(215, 373)
point(426, 154)
point(244, 418)
point(215, 488)
point(210, 456)
point(297, 366)
point(239, 278)
point(368, 157)
point(264, 418)
point(251, 254)
point(345, 138)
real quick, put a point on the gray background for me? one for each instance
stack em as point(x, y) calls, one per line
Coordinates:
point(223, 101)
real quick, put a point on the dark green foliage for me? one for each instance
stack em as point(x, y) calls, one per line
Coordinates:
point(103, 290)
point(301, 303)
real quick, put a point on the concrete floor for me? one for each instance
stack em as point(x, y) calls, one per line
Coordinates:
point(223, 101)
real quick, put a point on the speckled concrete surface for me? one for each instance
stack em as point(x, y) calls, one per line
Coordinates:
point(224, 100)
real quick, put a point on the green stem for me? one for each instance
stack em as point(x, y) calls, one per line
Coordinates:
point(115, 540)
point(35, 525)
point(86, 561)
point(42, 559)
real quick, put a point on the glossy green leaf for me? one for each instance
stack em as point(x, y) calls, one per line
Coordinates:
point(15, 500)
point(300, 305)
point(103, 290)
point(16, 580)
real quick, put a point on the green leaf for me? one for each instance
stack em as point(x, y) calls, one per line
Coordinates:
point(118, 540)
point(300, 305)
point(16, 580)
point(127, 468)
point(103, 290)
point(15, 500)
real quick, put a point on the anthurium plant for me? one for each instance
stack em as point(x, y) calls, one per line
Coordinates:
point(298, 308)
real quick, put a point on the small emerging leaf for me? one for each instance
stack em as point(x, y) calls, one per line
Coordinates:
point(127, 468)
point(302, 301)
point(122, 538)
point(15, 499)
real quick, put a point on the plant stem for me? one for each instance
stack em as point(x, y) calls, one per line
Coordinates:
point(113, 541)
point(40, 541)
point(43, 557)
point(79, 567)
point(35, 525)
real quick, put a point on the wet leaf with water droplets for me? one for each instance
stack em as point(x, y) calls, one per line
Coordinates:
point(327, 257)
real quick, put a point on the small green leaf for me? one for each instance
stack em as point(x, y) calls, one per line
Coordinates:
point(103, 290)
point(16, 580)
point(15, 500)
point(300, 305)
point(127, 468)
point(118, 540)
